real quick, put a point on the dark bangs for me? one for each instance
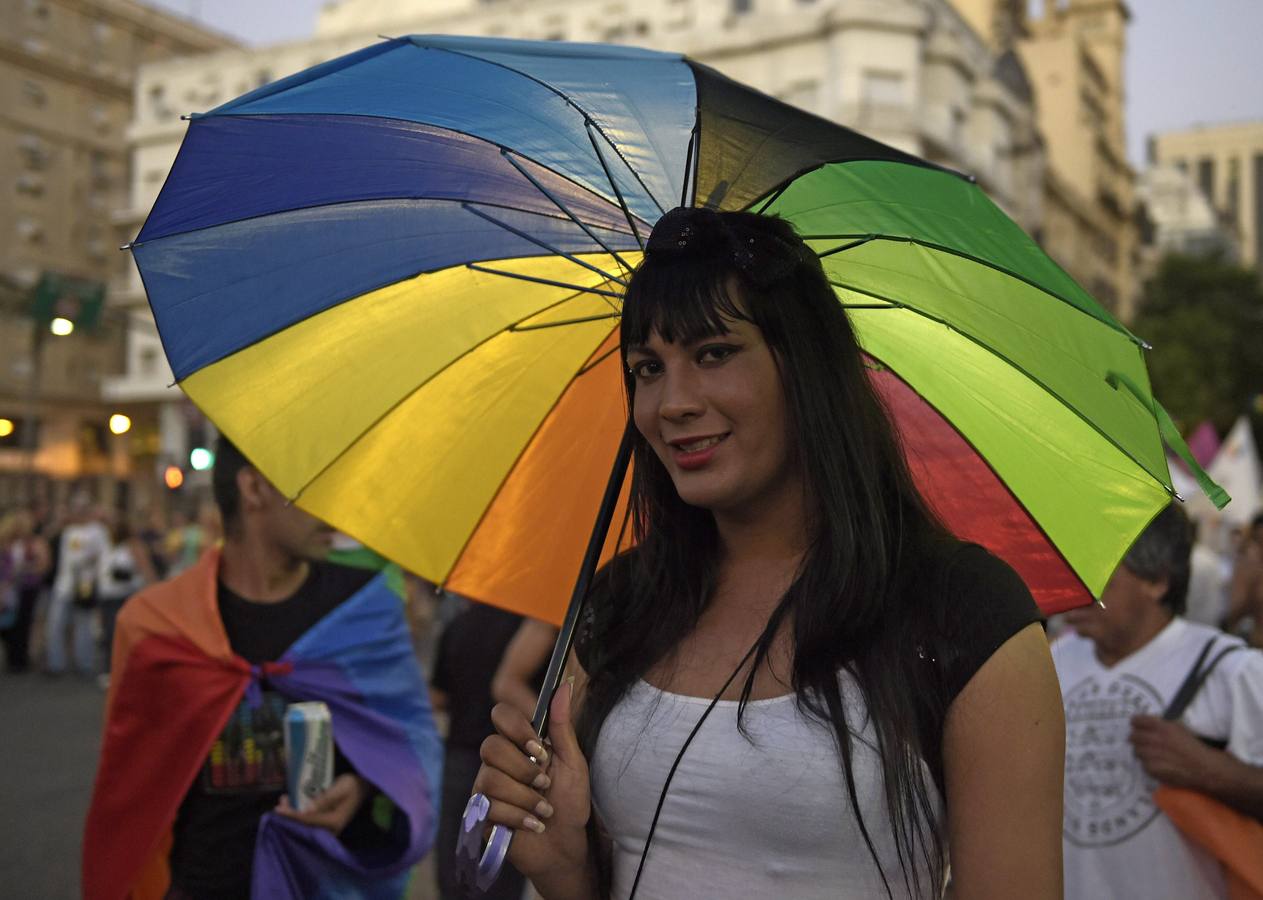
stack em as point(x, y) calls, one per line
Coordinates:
point(683, 300)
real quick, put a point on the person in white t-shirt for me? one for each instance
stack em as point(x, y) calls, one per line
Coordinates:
point(83, 542)
point(1120, 665)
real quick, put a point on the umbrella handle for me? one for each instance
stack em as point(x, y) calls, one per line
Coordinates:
point(477, 868)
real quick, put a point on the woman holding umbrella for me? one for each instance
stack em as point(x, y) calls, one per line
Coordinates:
point(798, 683)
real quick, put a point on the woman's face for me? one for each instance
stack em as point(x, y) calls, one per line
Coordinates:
point(714, 412)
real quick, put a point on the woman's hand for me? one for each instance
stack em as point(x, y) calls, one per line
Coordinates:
point(333, 808)
point(540, 792)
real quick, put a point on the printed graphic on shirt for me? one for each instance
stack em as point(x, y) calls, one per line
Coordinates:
point(249, 754)
point(1109, 797)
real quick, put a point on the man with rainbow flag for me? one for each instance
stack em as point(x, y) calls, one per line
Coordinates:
point(189, 799)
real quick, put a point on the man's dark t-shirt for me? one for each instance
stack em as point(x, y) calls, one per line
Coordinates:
point(468, 654)
point(243, 778)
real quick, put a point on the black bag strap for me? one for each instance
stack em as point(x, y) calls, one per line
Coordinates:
point(1196, 677)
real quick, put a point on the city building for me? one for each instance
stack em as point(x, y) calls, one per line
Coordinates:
point(67, 71)
point(1226, 163)
point(1073, 53)
point(1179, 219)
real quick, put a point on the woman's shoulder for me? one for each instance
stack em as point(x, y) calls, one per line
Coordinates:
point(981, 603)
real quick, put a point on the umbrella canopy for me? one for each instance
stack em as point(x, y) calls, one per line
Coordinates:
point(393, 280)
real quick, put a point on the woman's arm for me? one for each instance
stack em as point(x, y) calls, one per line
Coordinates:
point(1004, 747)
point(523, 658)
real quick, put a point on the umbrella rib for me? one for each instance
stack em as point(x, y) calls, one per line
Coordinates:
point(504, 151)
point(688, 167)
point(617, 193)
point(468, 207)
point(1016, 367)
point(560, 322)
point(477, 267)
point(855, 243)
point(596, 362)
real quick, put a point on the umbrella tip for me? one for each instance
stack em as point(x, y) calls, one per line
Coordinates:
point(129, 245)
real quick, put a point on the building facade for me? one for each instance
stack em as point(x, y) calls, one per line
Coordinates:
point(1073, 53)
point(1226, 163)
point(67, 74)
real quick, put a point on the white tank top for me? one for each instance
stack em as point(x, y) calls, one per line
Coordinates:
point(764, 817)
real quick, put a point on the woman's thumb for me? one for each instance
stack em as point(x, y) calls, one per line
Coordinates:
point(561, 725)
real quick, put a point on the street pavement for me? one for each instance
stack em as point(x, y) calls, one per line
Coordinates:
point(49, 741)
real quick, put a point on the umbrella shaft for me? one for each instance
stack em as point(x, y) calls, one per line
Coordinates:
point(592, 556)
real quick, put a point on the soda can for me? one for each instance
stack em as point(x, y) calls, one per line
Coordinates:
point(308, 752)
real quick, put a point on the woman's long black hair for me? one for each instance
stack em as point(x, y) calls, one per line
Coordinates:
point(859, 601)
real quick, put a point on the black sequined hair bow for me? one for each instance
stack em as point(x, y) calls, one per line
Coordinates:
point(763, 249)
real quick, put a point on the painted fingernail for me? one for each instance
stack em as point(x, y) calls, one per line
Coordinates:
point(541, 782)
point(544, 809)
point(533, 824)
point(536, 749)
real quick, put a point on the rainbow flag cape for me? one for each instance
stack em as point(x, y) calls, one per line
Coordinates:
point(177, 682)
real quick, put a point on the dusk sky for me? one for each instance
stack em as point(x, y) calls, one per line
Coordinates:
point(1188, 61)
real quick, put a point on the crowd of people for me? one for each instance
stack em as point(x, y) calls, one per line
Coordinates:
point(797, 683)
point(66, 570)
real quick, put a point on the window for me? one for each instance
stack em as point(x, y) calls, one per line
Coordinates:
point(1206, 178)
point(34, 93)
point(742, 6)
point(29, 230)
point(882, 88)
point(1258, 207)
point(100, 117)
point(30, 183)
point(33, 151)
point(1232, 202)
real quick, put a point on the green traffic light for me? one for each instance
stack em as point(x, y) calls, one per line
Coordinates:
point(201, 459)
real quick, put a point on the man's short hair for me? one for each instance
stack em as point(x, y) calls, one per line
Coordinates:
point(1162, 552)
point(228, 462)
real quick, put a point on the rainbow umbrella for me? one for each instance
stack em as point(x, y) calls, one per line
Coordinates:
point(394, 281)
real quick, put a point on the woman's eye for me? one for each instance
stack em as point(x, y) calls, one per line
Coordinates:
point(645, 368)
point(715, 353)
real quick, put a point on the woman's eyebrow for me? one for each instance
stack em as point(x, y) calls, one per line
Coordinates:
point(638, 348)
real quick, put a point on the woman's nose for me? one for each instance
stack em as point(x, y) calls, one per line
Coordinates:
point(681, 396)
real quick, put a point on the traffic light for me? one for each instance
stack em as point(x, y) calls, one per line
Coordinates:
point(201, 459)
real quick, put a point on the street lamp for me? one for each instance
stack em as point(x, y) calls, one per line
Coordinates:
point(120, 424)
point(6, 427)
point(61, 326)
